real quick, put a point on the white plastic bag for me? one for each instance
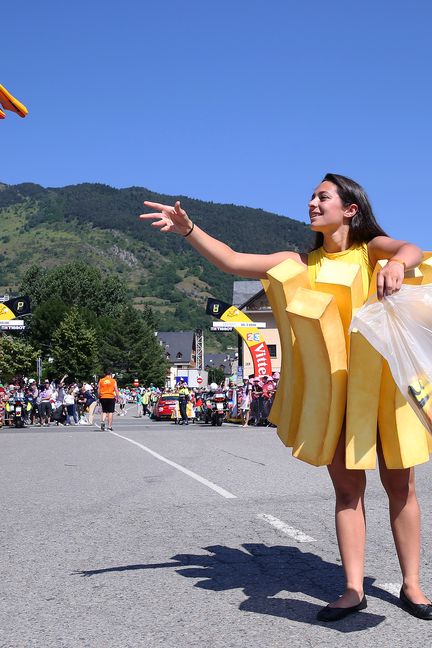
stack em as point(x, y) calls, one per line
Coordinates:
point(400, 328)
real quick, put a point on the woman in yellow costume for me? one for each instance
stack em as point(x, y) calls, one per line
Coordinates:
point(341, 215)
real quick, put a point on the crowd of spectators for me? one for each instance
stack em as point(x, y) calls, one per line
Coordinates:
point(63, 403)
point(250, 403)
point(52, 401)
point(255, 398)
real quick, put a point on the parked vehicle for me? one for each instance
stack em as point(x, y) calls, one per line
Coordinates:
point(216, 408)
point(165, 406)
point(14, 412)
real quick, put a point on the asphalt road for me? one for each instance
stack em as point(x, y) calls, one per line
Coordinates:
point(189, 537)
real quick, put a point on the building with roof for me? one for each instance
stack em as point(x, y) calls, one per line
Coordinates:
point(180, 348)
point(228, 362)
point(244, 290)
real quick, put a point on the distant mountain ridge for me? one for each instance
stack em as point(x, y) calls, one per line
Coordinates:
point(99, 225)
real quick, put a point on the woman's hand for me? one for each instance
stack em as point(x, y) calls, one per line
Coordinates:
point(170, 219)
point(401, 256)
point(390, 278)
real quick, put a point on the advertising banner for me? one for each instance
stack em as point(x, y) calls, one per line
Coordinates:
point(16, 307)
point(10, 309)
point(251, 335)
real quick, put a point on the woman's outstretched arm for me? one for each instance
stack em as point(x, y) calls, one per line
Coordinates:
point(253, 266)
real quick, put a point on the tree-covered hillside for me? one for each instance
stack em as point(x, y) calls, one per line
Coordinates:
point(99, 225)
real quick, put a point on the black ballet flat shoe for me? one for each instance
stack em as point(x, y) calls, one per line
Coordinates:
point(419, 610)
point(336, 613)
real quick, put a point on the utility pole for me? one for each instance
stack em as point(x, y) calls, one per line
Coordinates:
point(39, 369)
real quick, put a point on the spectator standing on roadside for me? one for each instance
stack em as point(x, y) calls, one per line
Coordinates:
point(81, 402)
point(45, 409)
point(268, 391)
point(139, 403)
point(59, 394)
point(257, 401)
point(153, 398)
point(245, 402)
point(29, 405)
point(32, 395)
point(90, 403)
point(122, 402)
point(145, 401)
point(107, 392)
point(198, 404)
point(71, 411)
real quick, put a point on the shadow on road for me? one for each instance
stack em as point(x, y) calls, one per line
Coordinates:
point(263, 573)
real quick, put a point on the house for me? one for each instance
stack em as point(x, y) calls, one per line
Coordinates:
point(244, 290)
point(184, 353)
point(225, 361)
point(180, 348)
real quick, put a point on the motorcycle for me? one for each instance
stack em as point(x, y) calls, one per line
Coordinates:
point(14, 412)
point(19, 413)
point(216, 408)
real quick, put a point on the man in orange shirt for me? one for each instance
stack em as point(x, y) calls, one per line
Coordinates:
point(107, 392)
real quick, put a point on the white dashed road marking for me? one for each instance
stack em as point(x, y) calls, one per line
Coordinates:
point(202, 480)
point(296, 534)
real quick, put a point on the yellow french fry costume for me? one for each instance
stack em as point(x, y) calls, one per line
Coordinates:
point(329, 378)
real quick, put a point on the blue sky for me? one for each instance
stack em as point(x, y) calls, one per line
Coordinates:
point(236, 101)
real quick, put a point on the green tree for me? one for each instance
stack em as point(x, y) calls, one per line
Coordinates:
point(32, 284)
point(17, 358)
point(129, 346)
point(76, 284)
point(44, 321)
point(216, 375)
point(75, 347)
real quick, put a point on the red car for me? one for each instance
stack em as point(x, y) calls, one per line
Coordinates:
point(165, 406)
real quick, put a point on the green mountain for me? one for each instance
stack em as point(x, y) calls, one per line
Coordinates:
point(99, 225)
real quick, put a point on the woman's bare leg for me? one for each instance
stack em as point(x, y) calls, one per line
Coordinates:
point(405, 524)
point(349, 488)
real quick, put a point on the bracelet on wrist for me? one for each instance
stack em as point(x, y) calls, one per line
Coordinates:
point(190, 231)
point(396, 260)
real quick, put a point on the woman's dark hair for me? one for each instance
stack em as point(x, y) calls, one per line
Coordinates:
point(363, 225)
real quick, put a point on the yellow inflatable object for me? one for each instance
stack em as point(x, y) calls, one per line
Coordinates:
point(328, 376)
point(318, 329)
point(283, 282)
point(346, 287)
point(190, 412)
point(9, 102)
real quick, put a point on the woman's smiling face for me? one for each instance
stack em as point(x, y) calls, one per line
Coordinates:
point(326, 211)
